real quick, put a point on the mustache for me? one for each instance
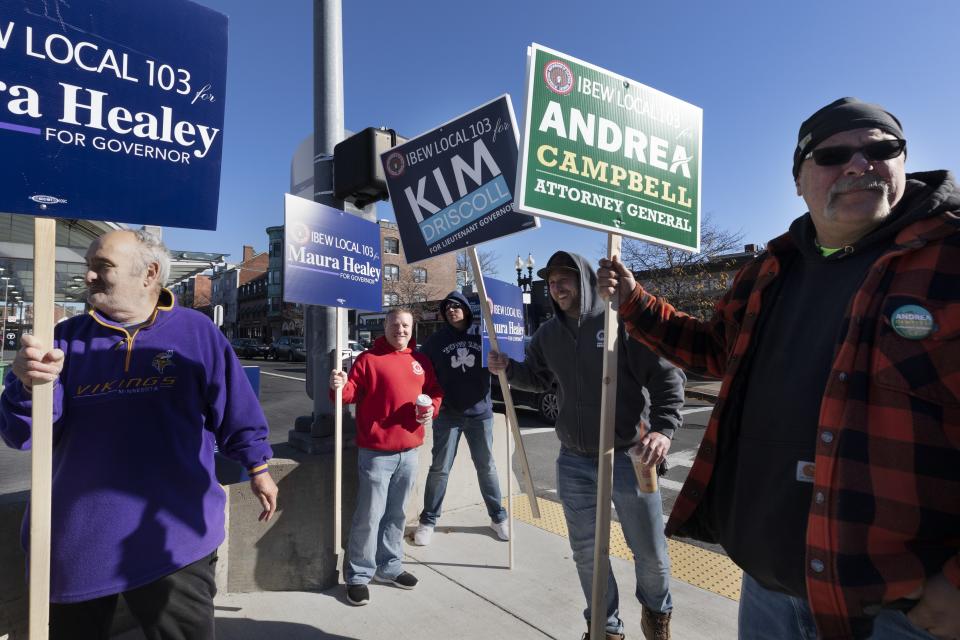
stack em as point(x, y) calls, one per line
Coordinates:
point(865, 182)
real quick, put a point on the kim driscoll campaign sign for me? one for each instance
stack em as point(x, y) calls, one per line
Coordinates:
point(331, 258)
point(112, 110)
point(606, 152)
point(508, 320)
point(453, 187)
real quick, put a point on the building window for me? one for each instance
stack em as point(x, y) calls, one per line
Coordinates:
point(419, 297)
point(276, 248)
point(391, 272)
point(391, 245)
point(419, 274)
point(390, 299)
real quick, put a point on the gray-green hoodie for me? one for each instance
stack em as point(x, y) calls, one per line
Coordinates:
point(573, 353)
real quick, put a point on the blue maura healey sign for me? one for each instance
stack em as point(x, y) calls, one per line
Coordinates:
point(112, 110)
point(508, 322)
point(331, 258)
point(452, 187)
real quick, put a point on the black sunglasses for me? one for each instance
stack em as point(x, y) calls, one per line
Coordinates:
point(454, 305)
point(874, 152)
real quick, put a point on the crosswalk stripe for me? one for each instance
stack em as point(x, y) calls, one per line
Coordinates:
point(280, 375)
point(535, 431)
point(690, 410)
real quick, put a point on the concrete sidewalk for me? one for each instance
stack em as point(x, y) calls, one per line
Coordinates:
point(703, 389)
point(466, 591)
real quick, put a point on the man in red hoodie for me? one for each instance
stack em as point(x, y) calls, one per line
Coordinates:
point(384, 382)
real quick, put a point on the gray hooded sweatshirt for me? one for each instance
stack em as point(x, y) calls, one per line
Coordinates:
point(572, 352)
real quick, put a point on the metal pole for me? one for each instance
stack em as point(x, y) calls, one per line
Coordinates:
point(320, 322)
point(6, 292)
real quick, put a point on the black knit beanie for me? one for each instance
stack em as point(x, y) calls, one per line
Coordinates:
point(841, 115)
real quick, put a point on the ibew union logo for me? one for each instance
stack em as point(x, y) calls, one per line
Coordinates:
point(396, 164)
point(558, 77)
point(300, 233)
point(44, 199)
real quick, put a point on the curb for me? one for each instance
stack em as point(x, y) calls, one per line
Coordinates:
point(701, 395)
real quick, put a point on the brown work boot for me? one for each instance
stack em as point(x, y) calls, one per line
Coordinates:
point(655, 625)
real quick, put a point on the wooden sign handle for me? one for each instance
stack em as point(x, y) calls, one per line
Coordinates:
point(338, 443)
point(527, 478)
point(608, 416)
point(44, 268)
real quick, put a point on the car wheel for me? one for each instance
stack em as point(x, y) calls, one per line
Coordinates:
point(548, 407)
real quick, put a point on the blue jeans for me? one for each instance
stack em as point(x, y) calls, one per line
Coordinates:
point(446, 437)
point(376, 535)
point(641, 516)
point(771, 615)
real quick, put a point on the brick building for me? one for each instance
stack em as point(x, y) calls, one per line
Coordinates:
point(420, 286)
point(252, 308)
point(225, 284)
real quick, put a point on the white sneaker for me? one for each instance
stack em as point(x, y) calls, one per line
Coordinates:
point(422, 536)
point(501, 528)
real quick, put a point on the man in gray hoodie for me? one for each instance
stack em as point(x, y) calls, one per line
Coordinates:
point(570, 347)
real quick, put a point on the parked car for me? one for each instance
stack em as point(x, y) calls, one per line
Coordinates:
point(545, 403)
point(355, 348)
point(288, 348)
point(250, 348)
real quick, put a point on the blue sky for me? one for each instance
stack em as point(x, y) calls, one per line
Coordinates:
point(757, 69)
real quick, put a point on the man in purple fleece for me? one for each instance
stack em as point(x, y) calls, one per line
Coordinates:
point(143, 392)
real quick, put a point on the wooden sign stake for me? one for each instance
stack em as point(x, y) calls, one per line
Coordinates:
point(527, 478)
point(338, 443)
point(44, 269)
point(608, 415)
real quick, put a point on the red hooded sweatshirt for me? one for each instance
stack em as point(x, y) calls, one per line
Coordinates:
point(384, 383)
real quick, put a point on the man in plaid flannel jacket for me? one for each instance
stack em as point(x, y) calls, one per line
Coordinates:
point(830, 469)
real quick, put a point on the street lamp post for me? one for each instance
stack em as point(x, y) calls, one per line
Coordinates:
point(526, 285)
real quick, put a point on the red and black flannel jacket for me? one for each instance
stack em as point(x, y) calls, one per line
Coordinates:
point(885, 511)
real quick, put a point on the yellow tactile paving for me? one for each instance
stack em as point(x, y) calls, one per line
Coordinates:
point(693, 565)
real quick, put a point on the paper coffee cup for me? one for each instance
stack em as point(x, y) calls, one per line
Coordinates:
point(646, 474)
point(424, 403)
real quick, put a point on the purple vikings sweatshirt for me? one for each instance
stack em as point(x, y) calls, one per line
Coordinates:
point(136, 417)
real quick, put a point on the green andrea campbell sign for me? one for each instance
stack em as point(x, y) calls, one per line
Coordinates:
point(603, 151)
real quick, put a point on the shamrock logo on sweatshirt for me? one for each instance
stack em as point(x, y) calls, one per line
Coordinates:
point(463, 359)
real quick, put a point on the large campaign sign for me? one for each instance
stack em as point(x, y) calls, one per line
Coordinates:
point(112, 110)
point(508, 322)
point(606, 152)
point(452, 187)
point(331, 258)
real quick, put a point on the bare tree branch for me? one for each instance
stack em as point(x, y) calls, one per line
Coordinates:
point(488, 265)
point(411, 293)
point(691, 282)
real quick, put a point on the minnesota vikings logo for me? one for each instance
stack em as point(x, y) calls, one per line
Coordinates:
point(163, 360)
